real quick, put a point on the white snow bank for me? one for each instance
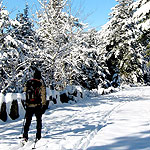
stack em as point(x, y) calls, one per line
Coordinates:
point(52, 94)
point(9, 99)
point(2, 99)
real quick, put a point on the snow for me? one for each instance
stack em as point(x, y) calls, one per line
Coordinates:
point(15, 22)
point(4, 13)
point(117, 121)
point(2, 99)
point(140, 14)
point(142, 11)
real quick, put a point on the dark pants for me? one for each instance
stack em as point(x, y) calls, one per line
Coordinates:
point(30, 111)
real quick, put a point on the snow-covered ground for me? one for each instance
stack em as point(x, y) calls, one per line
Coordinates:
point(118, 121)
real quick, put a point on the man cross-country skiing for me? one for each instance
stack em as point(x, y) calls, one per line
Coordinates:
point(35, 103)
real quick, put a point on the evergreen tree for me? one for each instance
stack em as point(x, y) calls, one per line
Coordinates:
point(91, 67)
point(141, 17)
point(8, 54)
point(122, 52)
point(24, 31)
point(14, 51)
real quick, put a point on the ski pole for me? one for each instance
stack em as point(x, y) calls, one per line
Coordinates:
point(24, 117)
point(34, 144)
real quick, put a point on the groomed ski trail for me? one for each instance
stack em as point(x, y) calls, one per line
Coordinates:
point(84, 125)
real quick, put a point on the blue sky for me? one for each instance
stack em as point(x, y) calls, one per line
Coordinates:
point(96, 11)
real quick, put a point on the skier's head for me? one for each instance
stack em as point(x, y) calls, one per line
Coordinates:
point(37, 74)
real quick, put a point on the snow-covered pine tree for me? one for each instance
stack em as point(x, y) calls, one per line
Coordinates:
point(13, 59)
point(141, 16)
point(121, 52)
point(91, 68)
point(28, 43)
point(25, 31)
point(123, 49)
point(8, 55)
point(85, 60)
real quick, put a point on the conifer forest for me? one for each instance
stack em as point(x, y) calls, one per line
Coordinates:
point(69, 53)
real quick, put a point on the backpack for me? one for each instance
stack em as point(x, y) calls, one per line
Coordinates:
point(33, 91)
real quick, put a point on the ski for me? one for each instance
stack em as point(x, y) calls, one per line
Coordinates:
point(23, 142)
point(34, 144)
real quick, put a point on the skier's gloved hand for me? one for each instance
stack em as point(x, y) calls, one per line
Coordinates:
point(44, 109)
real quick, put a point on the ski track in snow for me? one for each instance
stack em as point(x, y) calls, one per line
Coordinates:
point(75, 126)
point(84, 142)
point(92, 126)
